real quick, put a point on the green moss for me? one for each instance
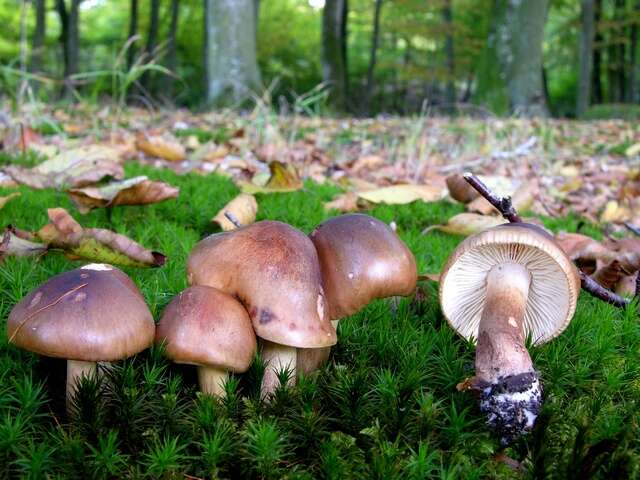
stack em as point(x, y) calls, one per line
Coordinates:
point(385, 406)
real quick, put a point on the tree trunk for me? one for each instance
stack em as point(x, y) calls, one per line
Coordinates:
point(372, 57)
point(514, 46)
point(172, 58)
point(450, 92)
point(39, 35)
point(621, 61)
point(632, 87)
point(152, 40)
point(334, 47)
point(70, 41)
point(230, 51)
point(585, 55)
point(598, 92)
point(133, 31)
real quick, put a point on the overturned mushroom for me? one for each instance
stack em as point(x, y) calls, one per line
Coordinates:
point(361, 259)
point(87, 315)
point(205, 327)
point(499, 287)
point(273, 270)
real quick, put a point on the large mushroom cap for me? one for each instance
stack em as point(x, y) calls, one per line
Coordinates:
point(93, 313)
point(361, 259)
point(553, 292)
point(272, 268)
point(206, 327)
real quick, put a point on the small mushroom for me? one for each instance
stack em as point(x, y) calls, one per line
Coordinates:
point(459, 188)
point(273, 270)
point(91, 314)
point(205, 327)
point(361, 259)
point(499, 287)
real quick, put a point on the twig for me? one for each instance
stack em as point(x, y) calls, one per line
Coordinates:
point(637, 293)
point(632, 228)
point(503, 204)
point(505, 207)
point(232, 218)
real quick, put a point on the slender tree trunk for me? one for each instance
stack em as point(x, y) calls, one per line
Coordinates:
point(632, 87)
point(585, 54)
point(230, 51)
point(39, 36)
point(70, 41)
point(334, 46)
point(450, 92)
point(514, 46)
point(172, 57)
point(598, 91)
point(621, 61)
point(133, 31)
point(372, 57)
point(256, 17)
point(152, 41)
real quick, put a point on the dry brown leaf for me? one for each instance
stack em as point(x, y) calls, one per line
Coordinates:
point(161, 147)
point(588, 254)
point(95, 244)
point(459, 189)
point(242, 209)
point(467, 224)
point(615, 213)
point(627, 285)
point(433, 277)
point(403, 194)
point(522, 200)
point(368, 162)
point(283, 178)
point(8, 198)
point(76, 167)
point(133, 191)
point(13, 244)
point(347, 202)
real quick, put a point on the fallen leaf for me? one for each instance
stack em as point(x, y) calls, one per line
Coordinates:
point(13, 244)
point(8, 198)
point(433, 277)
point(283, 178)
point(459, 189)
point(77, 167)
point(588, 254)
point(402, 194)
point(522, 200)
point(467, 224)
point(133, 191)
point(632, 150)
point(161, 147)
point(95, 244)
point(367, 162)
point(346, 202)
point(243, 210)
point(614, 213)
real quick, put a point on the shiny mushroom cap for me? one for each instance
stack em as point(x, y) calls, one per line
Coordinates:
point(361, 259)
point(93, 313)
point(553, 292)
point(206, 327)
point(272, 268)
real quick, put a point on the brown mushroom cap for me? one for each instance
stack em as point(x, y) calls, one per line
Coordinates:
point(272, 268)
point(93, 313)
point(206, 327)
point(553, 292)
point(361, 259)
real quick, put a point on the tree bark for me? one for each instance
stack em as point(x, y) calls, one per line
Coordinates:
point(152, 40)
point(450, 91)
point(232, 72)
point(39, 36)
point(632, 87)
point(596, 72)
point(133, 31)
point(70, 41)
point(334, 52)
point(172, 57)
point(585, 54)
point(372, 57)
point(514, 46)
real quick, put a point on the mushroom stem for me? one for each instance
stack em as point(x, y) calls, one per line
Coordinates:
point(311, 359)
point(510, 393)
point(277, 358)
point(212, 381)
point(76, 369)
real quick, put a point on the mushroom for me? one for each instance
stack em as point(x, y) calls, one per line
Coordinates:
point(91, 314)
point(273, 269)
point(205, 327)
point(459, 188)
point(501, 286)
point(361, 259)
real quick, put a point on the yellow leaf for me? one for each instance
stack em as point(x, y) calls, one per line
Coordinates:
point(5, 200)
point(633, 150)
point(402, 194)
point(614, 212)
point(242, 209)
point(467, 224)
point(284, 178)
point(160, 147)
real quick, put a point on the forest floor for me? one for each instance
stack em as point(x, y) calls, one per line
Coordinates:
point(386, 404)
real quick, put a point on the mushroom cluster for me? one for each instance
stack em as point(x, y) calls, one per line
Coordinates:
point(500, 287)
